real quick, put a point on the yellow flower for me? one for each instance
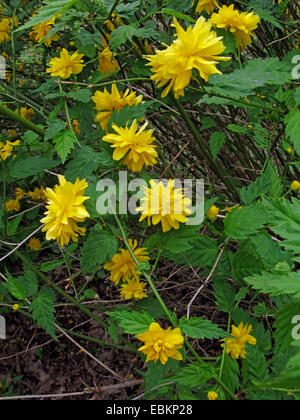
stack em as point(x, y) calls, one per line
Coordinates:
point(16, 307)
point(64, 209)
point(133, 289)
point(75, 125)
point(19, 193)
point(66, 64)
point(212, 213)
point(134, 144)
point(161, 344)
point(196, 48)
point(12, 205)
point(107, 102)
point(295, 186)
point(5, 30)
point(207, 5)
point(241, 25)
point(122, 266)
point(113, 22)
point(235, 347)
point(34, 244)
point(38, 194)
point(212, 396)
point(6, 149)
point(165, 205)
point(40, 31)
point(289, 150)
point(107, 63)
point(26, 113)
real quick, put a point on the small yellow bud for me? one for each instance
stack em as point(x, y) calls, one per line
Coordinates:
point(289, 150)
point(295, 186)
point(212, 212)
point(16, 307)
point(212, 396)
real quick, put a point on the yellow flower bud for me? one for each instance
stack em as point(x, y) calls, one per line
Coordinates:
point(212, 396)
point(212, 212)
point(295, 186)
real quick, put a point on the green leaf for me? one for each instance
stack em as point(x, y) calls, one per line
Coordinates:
point(121, 35)
point(81, 95)
point(30, 283)
point(64, 143)
point(15, 287)
point(200, 328)
point(99, 248)
point(235, 128)
point(52, 8)
point(83, 163)
point(131, 322)
point(257, 188)
point(240, 223)
point(54, 127)
point(42, 308)
point(178, 15)
point(284, 326)
point(297, 96)
point(224, 294)
point(51, 265)
point(292, 121)
point(216, 141)
point(230, 373)
point(276, 284)
point(194, 375)
point(23, 168)
point(127, 114)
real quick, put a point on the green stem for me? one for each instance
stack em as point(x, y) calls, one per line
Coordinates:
point(22, 121)
point(146, 275)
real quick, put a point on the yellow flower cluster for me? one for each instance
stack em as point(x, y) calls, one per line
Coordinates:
point(160, 344)
point(6, 28)
point(14, 204)
point(39, 32)
point(241, 25)
point(236, 347)
point(123, 268)
point(64, 210)
point(108, 102)
point(7, 148)
point(196, 48)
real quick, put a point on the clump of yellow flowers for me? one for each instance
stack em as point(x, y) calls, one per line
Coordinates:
point(160, 344)
point(198, 48)
point(64, 210)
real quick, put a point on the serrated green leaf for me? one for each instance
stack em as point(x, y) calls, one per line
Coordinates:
point(200, 328)
point(131, 322)
point(194, 375)
point(15, 287)
point(216, 141)
point(240, 223)
point(224, 294)
point(42, 309)
point(64, 143)
point(23, 168)
point(292, 121)
point(54, 127)
point(276, 284)
point(99, 248)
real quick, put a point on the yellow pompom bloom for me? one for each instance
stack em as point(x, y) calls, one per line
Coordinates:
point(5, 30)
point(122, 266)
point(34, 244)
point(107, 103)
point(241, 25)
point(164, 204)
point(212, 396)
point(64, 210)
point(26, 113)
point(133, 289)
point(66, 64)
point(12, 205)
point(40, 31)
point(236, 347)
point(295, 186)
point(7, 149)
point(107, 63)
point(134, 144)
point(213, 212)
point(196, 48)
point(207, 5)
point(160, 344)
